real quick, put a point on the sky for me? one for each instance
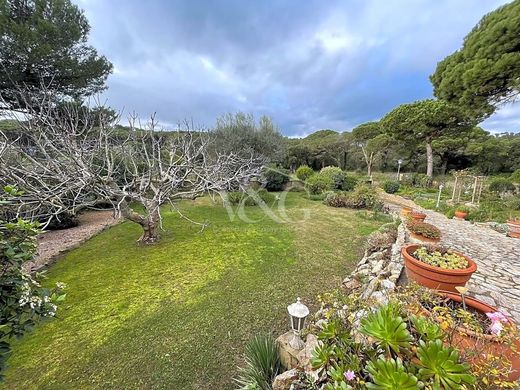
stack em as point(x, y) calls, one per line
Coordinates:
point(308, 64)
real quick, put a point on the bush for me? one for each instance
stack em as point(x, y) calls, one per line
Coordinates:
point(304, 172)
point(334, 199)
point(247, 199)
point(337, 176)
point(423, 229)
point(62, 221)
point(349, 183)
point(263, 364)
point(417, 180)
point(275, 178)
point(515, 176)
point(501, 185)
point(319, 183)
point(363, 197)
point(391, 186)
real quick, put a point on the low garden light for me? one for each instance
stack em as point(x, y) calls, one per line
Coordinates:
point(399, 162)
point(298, 313)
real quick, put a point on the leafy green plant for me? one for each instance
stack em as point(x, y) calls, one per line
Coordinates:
point(322, 355)
point(262, 364)
point(463, 208)
point(501, 185)
point(250, 198)
point(336, 175)
point(424, 229)
point(318, 183)
point(426, 329)
point(349, 183)
point(304, 172)
point(440, 257)
point(391, 186)
point(387, 328)
point(515, 176)
point(440, 365)
point(390, 374)
point(275, 178)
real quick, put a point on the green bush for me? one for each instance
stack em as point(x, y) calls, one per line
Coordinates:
point(319, 183)
point(237, 197)
point(349, 183)
point(263, 364)
point(417, 180)
point(304, 172)
point(501, 185)
point(335, 199)
point(391, 186)
point(362, 197)
point(515, 176)
point(337, 176)
point(275, 178)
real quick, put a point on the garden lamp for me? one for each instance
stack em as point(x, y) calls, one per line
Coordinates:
point(399, 162)
point(298, 312)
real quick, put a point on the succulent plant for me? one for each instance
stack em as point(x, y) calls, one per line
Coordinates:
point(442, 258)
point(389, 374)
point(424, 229)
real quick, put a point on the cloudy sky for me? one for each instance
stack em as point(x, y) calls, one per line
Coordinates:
point(309, 64)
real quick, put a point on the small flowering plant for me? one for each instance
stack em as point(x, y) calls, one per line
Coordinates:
point(23, 301)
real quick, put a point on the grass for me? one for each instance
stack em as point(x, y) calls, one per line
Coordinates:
point(178, 314)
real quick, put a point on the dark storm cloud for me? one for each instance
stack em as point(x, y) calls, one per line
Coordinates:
point(308, 64)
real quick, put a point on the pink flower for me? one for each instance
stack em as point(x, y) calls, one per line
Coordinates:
point(349, 375)
point(497, 317)
point(496, 328)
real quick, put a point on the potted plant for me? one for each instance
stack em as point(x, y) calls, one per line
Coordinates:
point(418, 216)
point(436, 267)
point(514, 227)
point(423, 232)
point(480, 331)
point(405, 211)
point(462, 211)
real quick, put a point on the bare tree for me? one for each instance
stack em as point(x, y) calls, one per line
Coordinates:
point(64, 161)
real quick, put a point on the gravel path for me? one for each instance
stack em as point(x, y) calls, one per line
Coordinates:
point(54, 242)
point(497, 280)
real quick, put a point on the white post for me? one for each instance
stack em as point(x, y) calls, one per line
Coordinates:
point(439, 196)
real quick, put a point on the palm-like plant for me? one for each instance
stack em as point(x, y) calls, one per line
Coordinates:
point(427, 329)
point(441, 365)
point(387, 328)
point(390, 374)
point(262, 364)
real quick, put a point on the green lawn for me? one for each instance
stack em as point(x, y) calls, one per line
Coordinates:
point(176, 315)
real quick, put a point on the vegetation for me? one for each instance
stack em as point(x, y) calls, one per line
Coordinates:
point(193, 300)
point(319, 183)
point(424, 229)
point(440, 257)
point(262, 364)
point(391, 186)
point(275, 178)
point(304, 172)
point(44, 42)
point(250, 198)
point(484, 73)
point(501, 185)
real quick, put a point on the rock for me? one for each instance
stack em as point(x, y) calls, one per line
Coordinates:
point(305, 355)
point(350, 284)
point(377, 267)
point(285, 379)
point(288, 355)
point(388, 284)
point(380, 297)
point(370, 288)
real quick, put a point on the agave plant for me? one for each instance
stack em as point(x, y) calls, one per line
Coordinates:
point(390, 374)
point(440, 365)
point(387, 328)
point(262, 364)
point(427, 329)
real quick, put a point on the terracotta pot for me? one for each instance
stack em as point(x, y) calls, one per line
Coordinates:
point(461, 214)
point(435, 277)
point(514, 228)
point(426, 240)
point(418, 216)
point(474, 346)
point(406, 211)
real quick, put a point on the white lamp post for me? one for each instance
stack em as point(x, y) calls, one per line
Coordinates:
point(298, 312)
point(439, 196)
point(399, 162)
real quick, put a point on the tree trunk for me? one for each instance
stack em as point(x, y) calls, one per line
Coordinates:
point(429, 158)
point(149, 223)
point(444, 166)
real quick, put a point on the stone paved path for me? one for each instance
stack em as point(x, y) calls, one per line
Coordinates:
point(497, 280)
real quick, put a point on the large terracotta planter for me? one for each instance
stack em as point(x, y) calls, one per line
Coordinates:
point(435, 277)
point(405, 211)
point(474, 346)
point(418, 216)
point(514, 228)
point(461, 214)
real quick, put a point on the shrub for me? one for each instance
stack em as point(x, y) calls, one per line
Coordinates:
point(318, 183)
point(262, 364)
point(349, 183)
point(334, 199)
point(337, 176)
point(391, 186)
point(275, 178)
point(423, 229)
point(417, 180)
point(304, 172)
point(364, 196)
point(515, 176)
point(237, 197)
point(463, 208)
point(62, 221)
point(501, 185)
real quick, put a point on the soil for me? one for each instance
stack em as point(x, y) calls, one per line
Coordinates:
point(54, 242)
